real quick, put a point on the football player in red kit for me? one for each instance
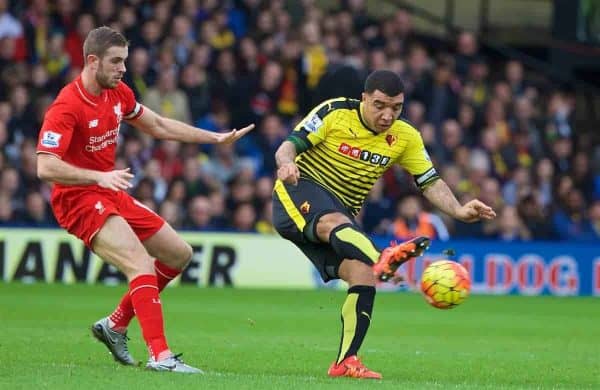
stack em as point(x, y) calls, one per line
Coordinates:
point(76, 151)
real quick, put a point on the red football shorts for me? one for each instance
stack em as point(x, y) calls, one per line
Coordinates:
point(83, 210)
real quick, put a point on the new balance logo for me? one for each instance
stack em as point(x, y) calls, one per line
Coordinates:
point(93, 123)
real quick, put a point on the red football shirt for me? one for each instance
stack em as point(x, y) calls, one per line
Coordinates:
point(82, 129)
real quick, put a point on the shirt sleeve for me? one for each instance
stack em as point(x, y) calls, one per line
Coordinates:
point(417, 162)
point(132, 108)
point(57, 130)
point(313, 128)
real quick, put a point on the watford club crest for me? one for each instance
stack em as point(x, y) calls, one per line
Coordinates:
point(305, 207)
point(390, 139)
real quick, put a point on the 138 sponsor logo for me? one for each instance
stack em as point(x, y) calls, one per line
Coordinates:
point(363, 154)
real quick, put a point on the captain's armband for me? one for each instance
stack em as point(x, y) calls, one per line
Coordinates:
point(427, 178)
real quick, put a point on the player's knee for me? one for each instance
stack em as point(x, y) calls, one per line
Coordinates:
point(186, 255)
point(179, 256)
point(328, 222)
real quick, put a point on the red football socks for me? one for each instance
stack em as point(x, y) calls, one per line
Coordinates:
point(146, 303)
point(123, 314)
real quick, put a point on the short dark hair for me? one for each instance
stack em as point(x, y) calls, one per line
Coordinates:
point(386, 81)
point(100, 39)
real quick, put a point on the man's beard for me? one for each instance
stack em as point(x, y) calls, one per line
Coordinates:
point(104, 80)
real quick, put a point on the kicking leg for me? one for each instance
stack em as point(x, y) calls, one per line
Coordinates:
point(350, 243)
point(395, 255)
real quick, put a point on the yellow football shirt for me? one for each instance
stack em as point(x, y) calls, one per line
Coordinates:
point(337, 150)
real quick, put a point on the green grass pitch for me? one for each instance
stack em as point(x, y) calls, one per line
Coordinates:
point(273, 339)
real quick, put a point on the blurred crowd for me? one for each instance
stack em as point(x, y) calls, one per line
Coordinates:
point(495, 130)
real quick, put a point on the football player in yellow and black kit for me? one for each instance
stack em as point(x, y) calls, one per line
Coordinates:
point(326, 168)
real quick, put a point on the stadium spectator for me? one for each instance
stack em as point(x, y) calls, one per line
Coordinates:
point(437, 93)
point(570, 219)
point(229, 86)
point(536, 217)
point(451, 137)
point(219, 213)
point(27, 167)
point(582, 174)
point(199, 216)
point(418, 64)
point(168, 154)
point(181, 40)
point(467, 49)
point(194, 82)
point(594, 216)
point(271, 133)
point(57, 60)
point(224, 164)
point(22, 123)
point(514, 75)
point(140, 75)
point(264, 223)
point(104, 11)
point(476, 89)
point(36, 212)
point(412, 221)
point(7, 212)
point(376, 214)
point(152, 172)
point(11, 186)
point(176, 194)
point(150, 38)
point(519, 184)
point(510, 227)
point(244, 218)
point(544, 181)
point(194, 182)
point(166, 98)
point(263, 191)
point(241, 190)
point(264, 99)
point(500, 154)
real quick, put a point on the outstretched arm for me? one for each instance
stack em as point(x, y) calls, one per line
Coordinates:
point(287, 171)
point(440, 195)
point(53, 169)
point(165, 128)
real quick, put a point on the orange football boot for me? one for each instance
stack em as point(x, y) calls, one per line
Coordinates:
point(353, 368)
point(395, 255)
